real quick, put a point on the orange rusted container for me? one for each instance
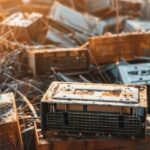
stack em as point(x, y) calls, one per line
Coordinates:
point(95, 110)
point(10, 135)
point(24, 27)
point(61, 59)
point(111, 48)
point(57, 143)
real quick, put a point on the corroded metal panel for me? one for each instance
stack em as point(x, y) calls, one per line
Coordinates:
point(51, 142)
point(10, 135)
point(96, 94)
point(115, 47)
point(23, 26)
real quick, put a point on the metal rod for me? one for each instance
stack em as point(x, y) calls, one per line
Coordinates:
point(117, 16)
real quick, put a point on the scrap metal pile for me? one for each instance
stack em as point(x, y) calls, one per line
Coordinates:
point(93, 56)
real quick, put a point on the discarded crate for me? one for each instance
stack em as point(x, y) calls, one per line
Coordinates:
point(81, 24)
point(133, 26)
point(94, 110)
point(134, 73)
point(24, 26)
point(60, 59)
point(112, 48)
point(10, 135)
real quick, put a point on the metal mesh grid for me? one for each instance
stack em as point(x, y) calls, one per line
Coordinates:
point(102, 123)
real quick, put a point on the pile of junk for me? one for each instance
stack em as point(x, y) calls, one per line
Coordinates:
point(75, 74)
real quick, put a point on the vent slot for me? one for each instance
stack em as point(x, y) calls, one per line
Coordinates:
point(121, 122)
point(66, 118)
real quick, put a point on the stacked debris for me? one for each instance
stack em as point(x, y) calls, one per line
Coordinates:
point(73, 41)
point(134, 73)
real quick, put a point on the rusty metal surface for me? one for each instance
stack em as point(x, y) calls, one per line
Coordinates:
point(115, 144)
point(123, 45)
point(115, 116)
point(96, 94)
point(54, 143)
point(130, 7)
point(10, 137)
point(23, 26)
point(117, 110)
point(60, 59)
point(134, 4)
point(8, 4)
point(7, 110)
point(43, 9)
